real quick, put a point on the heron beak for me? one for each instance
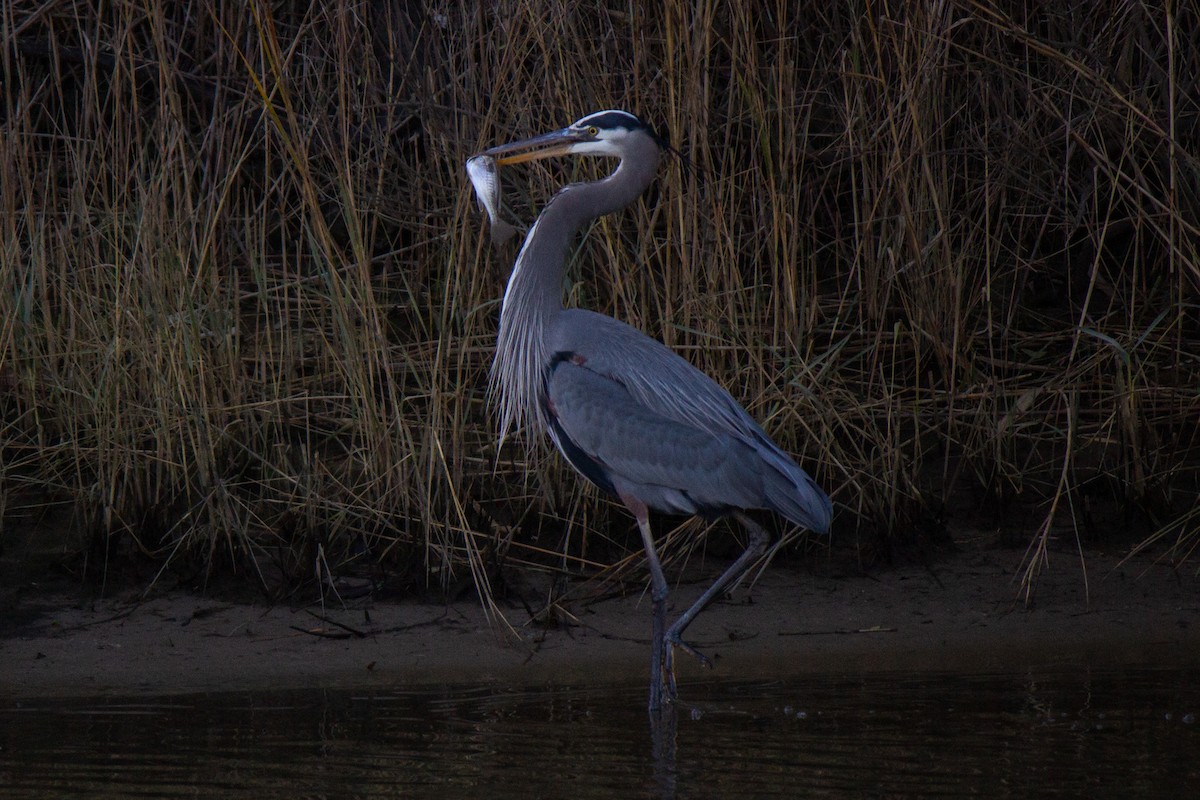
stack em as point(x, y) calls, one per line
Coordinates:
point(555, 143)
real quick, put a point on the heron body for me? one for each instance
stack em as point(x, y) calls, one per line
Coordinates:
point(630, 415)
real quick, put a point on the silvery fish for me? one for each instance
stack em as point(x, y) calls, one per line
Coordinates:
point(486, 180)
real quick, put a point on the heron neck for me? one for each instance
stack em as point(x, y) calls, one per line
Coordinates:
point(537, 275)
point(533, 297)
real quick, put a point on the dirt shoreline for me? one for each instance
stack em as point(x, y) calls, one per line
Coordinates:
point(957, 615)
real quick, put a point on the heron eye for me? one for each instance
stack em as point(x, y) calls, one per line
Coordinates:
point(592, 130)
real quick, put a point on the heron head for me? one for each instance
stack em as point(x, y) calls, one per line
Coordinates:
point(604, 133)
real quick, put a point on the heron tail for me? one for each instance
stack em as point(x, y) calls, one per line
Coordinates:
point(792, 493)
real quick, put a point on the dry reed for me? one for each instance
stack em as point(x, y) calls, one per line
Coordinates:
point(946, 251)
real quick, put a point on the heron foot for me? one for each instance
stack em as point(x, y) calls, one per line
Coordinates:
point(669, 671)
point(664, 690)
point(674, 641)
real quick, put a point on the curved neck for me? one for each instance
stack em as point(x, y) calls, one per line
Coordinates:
point(536, 279)
point(533, 297)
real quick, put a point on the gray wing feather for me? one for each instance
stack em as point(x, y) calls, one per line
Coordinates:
point(669, 465)
point(657, 377)
point(660, 387)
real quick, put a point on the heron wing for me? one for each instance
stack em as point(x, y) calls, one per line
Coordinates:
point(657, 377)
point(629, 449)
point(660, 389)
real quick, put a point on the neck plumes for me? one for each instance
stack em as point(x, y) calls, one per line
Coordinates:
point(533, 297)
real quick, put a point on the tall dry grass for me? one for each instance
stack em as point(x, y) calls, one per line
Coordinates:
point(946, 252)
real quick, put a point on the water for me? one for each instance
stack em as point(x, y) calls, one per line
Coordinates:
point(1126, 733)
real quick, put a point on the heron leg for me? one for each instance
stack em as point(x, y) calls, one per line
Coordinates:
point(758, 543)
point(658, 595)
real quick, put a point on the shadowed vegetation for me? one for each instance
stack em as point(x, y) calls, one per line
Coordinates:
point(947, 253)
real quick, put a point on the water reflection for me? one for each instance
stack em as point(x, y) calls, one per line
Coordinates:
point(1126, 733)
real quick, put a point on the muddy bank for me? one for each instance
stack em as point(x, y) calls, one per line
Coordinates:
point(958, 614)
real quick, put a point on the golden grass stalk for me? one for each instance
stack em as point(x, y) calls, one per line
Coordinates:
point(946, 253)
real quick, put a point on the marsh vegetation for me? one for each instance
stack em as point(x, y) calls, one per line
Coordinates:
point(946, 253)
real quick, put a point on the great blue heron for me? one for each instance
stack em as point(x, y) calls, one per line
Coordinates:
point(633, 417)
